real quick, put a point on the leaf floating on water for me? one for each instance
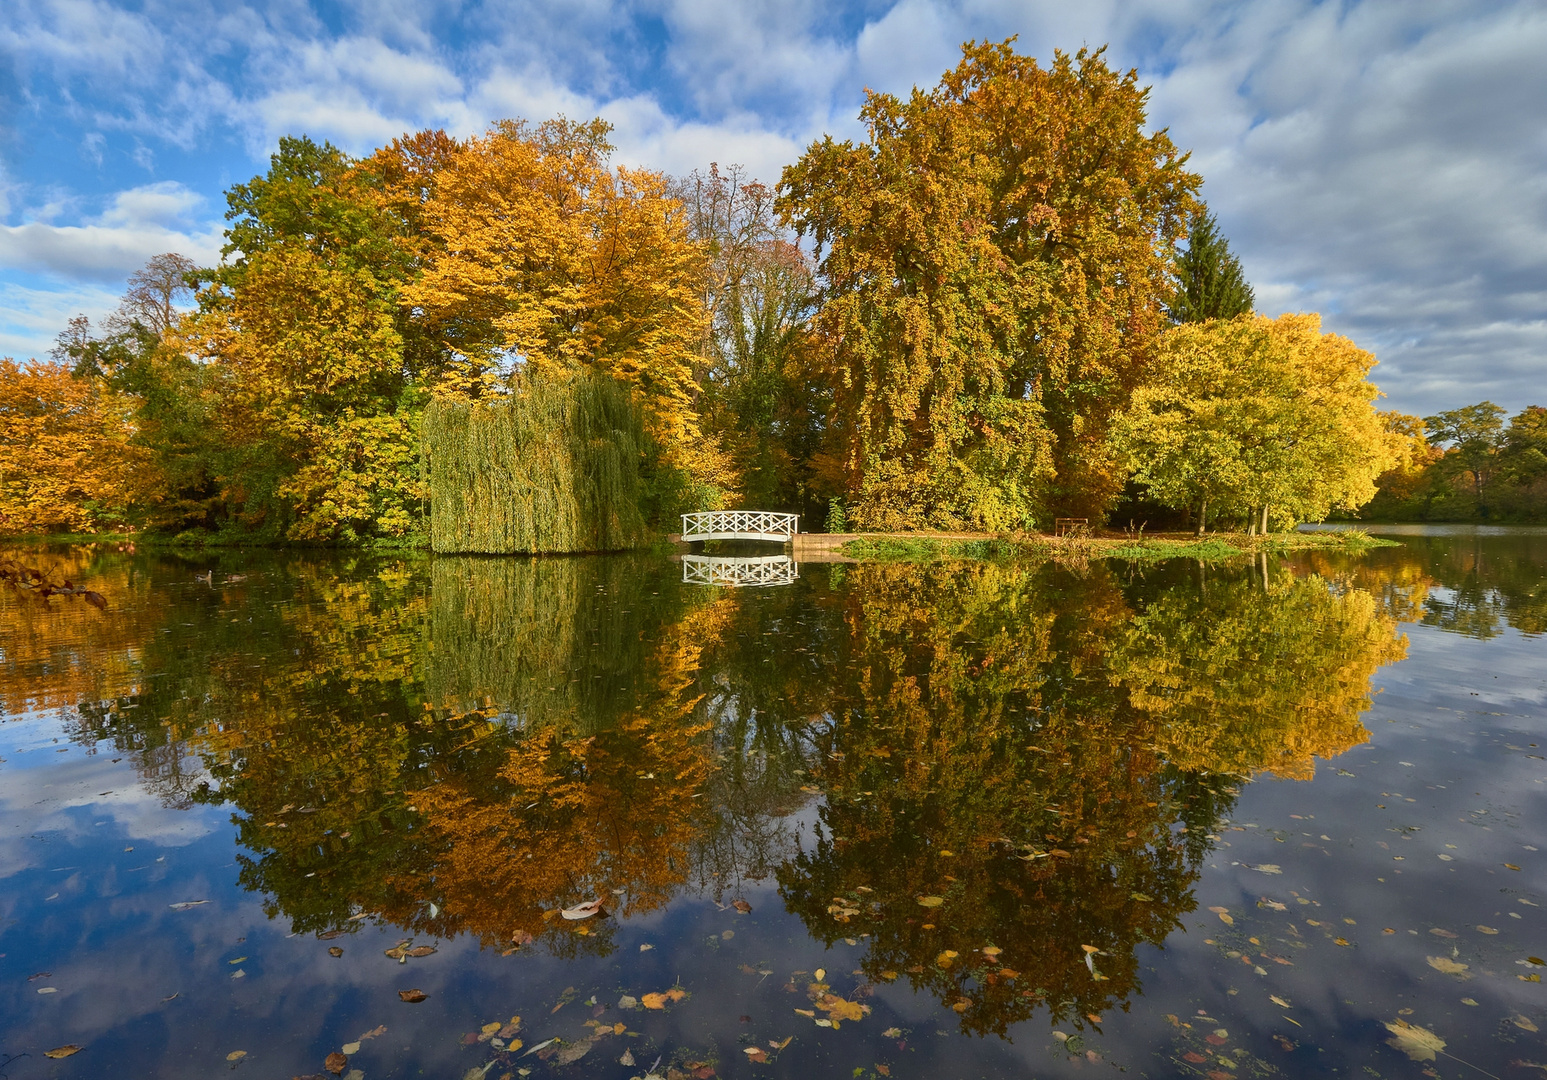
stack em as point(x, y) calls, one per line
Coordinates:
point(539, 1046)
point(572, 1052)
point(48, 989)
point(422, 950)
point(820, 973)
point(931, 901)
point(756, 1054)
point(1486, 930)
point(335, 952)
point(1224, 917)
point(1419, 1044)
point(1511, 866)
point(627, 1058)
point(1280, 1002)
point(742, 906)
point(1523, 1023)
point(653, 1001)
point(892, 1033)
point(1263, 868)
point(236, 1055)
point(646, 947)
point(186, 904)
point(945, 959)
point(992, 950)
point(582, 911)
point(62, 1051)
point(413, 997)
point(1447, 965)
point(350, 1049)
point(335, 1063)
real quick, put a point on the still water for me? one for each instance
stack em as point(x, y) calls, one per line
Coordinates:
point(294, 815)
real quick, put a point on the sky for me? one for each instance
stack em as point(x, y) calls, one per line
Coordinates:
point(1381, 162)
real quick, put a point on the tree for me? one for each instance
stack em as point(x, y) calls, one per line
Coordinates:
point(152, 298)
point(1252, 413)
point(758, 393)
point(1474, 436)
point(67, 459)
point(993, 260)
point(1209, 282)
point(316, 390)
point(547, 260)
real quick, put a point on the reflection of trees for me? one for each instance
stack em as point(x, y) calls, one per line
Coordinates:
point(1489, 582)
point(1044, 751)
point(1002, 741)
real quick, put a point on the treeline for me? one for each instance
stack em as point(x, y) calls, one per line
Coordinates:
point(1469, 465)
point(1006, 304)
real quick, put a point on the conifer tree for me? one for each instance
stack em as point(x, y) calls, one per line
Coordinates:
point(1209, 282)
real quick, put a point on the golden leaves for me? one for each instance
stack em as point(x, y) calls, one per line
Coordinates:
point(1419, 1044)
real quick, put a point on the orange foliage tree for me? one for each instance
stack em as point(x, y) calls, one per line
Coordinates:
point(67, 457)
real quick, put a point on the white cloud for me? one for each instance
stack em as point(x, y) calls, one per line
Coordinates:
point(137, 224)
point(1382, 161)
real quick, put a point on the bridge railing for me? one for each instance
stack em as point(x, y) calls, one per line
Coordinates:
point(713, 570)
point(739, 524)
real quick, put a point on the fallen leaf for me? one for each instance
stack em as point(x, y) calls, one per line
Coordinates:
point(1280, 1002)
point(62, 1051)
point(582, 911)
point(628, 1002)
point(653, 1001)
point(841, 1008)
point(413, 997)
point(626, 1059)
point(1437, 932)
point(676, 993)
point(1264, 868)
point(573, 1052)
point(350, 1049)
point(892, 1033)
point(374, 1032)
point(755, 1053)
point(1446, 965)
point(945, 958)
point(236, 1055)
point(805, 1012)
point(992, 950)
point(820, 973)
point(540, 1046)
point(48, 989)
point(889, 976)
point(1511, 866)
point(186, 904)
point(1523, 1023)
point(780, 1045)
point(421, 950)
point(1486, 930)
point(335, 952)
point(1224, 917)
point(931, 901)
point(1419, 1044)
point(742, 906)
point(336, 1063)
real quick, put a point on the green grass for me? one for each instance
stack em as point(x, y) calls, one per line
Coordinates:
point(1210, 550)
point(925, 549)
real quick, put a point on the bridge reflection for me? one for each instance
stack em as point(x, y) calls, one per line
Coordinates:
point(738, 572)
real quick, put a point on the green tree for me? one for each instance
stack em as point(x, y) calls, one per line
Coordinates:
point(1473, 436)
point(993, 260)
point(1209, 282)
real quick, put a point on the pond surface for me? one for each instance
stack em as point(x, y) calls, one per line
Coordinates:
point(955, 820)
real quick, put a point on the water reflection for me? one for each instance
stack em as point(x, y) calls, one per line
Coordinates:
point(739, 571)
point(1002, 779)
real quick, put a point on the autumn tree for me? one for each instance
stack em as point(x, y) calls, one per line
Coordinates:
point(1252, 415)
point(309, 352)
point(1209, 281)
point(993, 260)
point(548, 260)
point(68, 460)
point(760, 396)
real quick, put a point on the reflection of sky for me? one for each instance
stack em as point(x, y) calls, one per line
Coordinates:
point(1450, 761)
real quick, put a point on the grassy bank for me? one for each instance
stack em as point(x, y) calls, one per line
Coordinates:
point(1219, 547)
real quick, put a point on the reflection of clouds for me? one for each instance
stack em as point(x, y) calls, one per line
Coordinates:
point(46, 792)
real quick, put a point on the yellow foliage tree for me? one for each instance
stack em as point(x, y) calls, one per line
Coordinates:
point(67, 459)
point(994, 261)
point(1251, 414)
point(547, 260)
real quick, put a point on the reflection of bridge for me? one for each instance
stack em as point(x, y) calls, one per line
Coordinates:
point(739, 525)
point(719, 570)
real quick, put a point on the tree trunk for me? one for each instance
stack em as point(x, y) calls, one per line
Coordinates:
point(1203, 516)
point(1251, 522)
point(1264, 519)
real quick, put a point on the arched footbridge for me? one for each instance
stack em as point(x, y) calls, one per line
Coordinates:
point(740, 525)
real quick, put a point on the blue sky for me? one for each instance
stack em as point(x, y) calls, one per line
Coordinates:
point(1384, 163)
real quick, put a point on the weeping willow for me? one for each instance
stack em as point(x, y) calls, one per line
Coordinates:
point(553, 468)
point(553, 641)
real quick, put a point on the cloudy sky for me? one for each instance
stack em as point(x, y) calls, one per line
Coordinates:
point(1384, 163)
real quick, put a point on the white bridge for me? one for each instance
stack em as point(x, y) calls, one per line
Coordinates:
point(717, 570)
point(740, 525)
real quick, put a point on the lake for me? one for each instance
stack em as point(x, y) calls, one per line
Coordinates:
point(313, 814)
